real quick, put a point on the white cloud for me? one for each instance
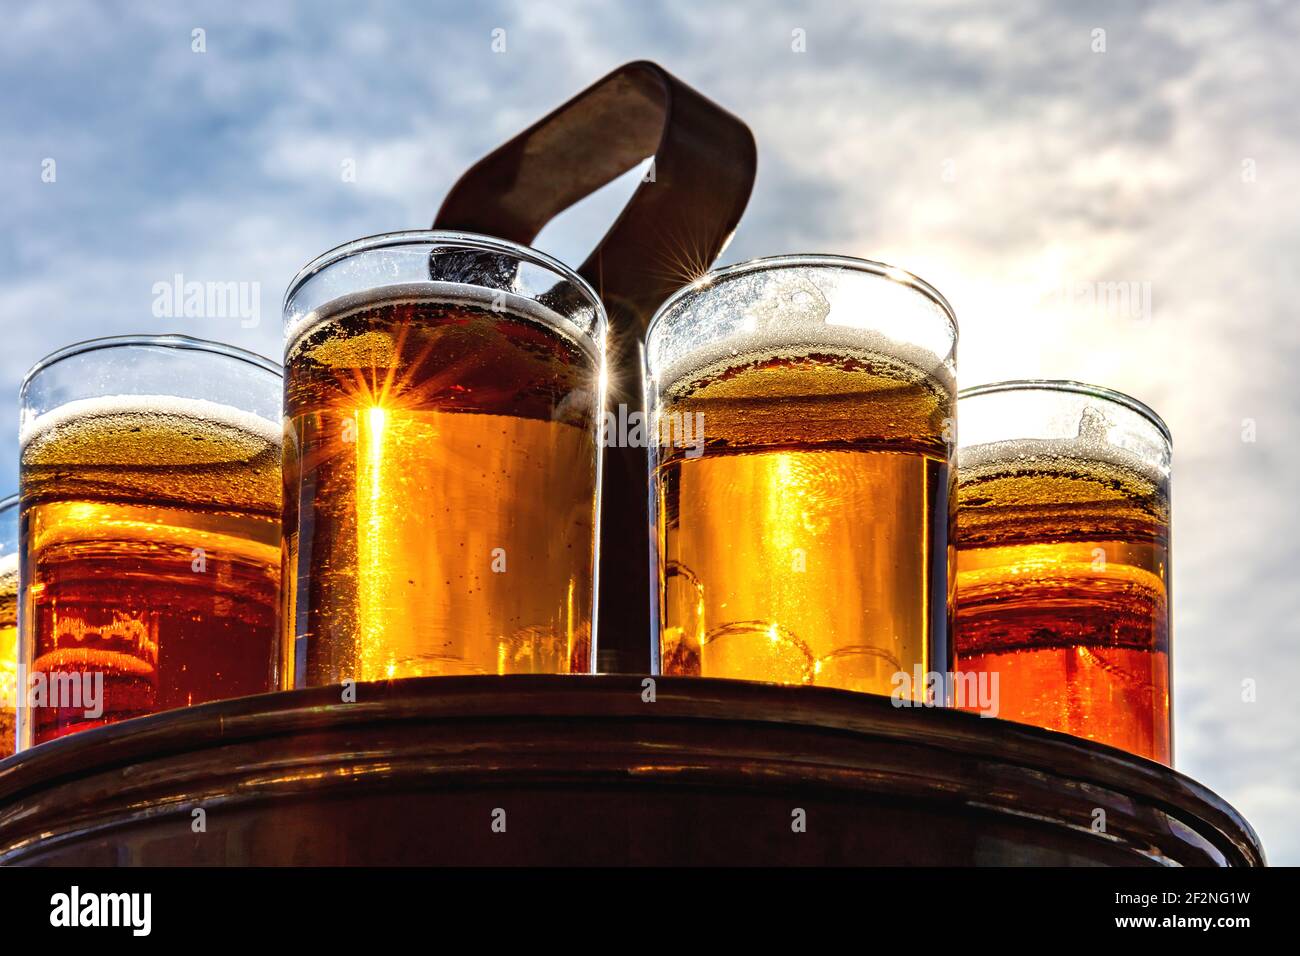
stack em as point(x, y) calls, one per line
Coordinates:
point(1070, 166)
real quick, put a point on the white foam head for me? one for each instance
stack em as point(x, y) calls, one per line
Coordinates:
point(171, 406)
point(449, 293)
point(1042, 452)
point(760, 311)
point(1050, 421)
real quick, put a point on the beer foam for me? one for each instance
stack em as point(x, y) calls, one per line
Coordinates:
point(1085, 453)
point(206, 418)
point(437, 293)
point(761, 349)
point(8, 574)
point(789, 316)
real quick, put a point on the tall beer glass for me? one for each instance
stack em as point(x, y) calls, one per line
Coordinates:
point(1063, 559)
point(803, 409)
point(8, 625)
point(149, 475)
point(443, 400)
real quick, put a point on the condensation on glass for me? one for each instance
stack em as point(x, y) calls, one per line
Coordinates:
point(443, 398)
point(1063, 575)
point(149, 478)
point(803, 413)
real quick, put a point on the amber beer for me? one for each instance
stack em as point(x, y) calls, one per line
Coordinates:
point(8, 653)
point(1063, 561)
point(151, 530)
point(803, 526)
point(440, 478)
point(8, 625)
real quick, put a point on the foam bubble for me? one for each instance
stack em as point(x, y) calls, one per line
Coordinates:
point(445, 293)
point(684, 375)
point(1048, 454)
point(205, 415)
point(791, 313)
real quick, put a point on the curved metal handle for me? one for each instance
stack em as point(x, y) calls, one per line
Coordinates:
point(676, 223)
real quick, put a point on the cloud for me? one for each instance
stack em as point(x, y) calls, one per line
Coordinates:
point(987, 148)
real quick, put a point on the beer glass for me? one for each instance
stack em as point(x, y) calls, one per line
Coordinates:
point(443, 396)
point(149, 478)
point(801, 475)
point(8, 625)
point(1063, 559)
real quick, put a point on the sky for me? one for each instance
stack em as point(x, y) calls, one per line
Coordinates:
point(1026, 158)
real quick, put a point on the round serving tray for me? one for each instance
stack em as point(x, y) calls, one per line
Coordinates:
point(587, 770)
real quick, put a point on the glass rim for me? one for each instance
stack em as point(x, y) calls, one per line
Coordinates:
point(412, 237)
point(9, 501)
point(869, 266)
point(171, 340)
point(1075, 388)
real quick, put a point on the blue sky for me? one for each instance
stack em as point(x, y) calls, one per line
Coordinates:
point(991, 148)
